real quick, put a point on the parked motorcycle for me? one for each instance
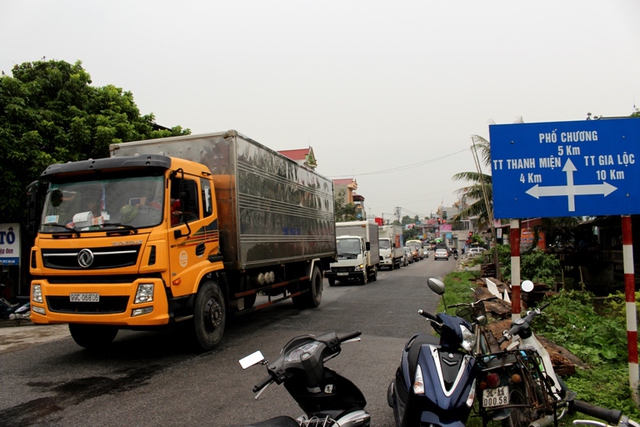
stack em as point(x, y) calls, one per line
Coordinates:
point(23, 312)
point(519, 386)
point(435, 382)
point(17, 310)
point(327, 398)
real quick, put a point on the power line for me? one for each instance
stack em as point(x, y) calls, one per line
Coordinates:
point(401, 168)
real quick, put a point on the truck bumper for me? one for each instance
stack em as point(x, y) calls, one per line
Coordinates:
point(343, 275)
point(96, 303)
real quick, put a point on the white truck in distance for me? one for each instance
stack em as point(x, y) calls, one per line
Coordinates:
point(358, 253)
point(391, 246)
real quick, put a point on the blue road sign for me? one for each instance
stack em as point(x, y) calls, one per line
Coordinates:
point(581, 168)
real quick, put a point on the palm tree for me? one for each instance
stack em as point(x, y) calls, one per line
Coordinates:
point(480, 190)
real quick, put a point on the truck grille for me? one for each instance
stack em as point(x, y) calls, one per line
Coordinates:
point(342, 269)
point(90, 258)
point(105, 306)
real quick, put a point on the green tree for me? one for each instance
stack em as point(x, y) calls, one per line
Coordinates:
point(344, 211)
point(52, 114)
point(479, 183)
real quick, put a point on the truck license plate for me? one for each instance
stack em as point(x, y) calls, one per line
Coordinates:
point(495, 397)
point(343, 274)
point(84, 297)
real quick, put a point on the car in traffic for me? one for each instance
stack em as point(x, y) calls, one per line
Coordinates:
point(416, 248)
point(408, 256)
point(476, 251)
point(441, 254)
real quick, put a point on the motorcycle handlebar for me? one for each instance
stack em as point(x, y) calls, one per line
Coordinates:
point(611, 416)
point(427, 315)
point(262, 384)
point(349, 336)
point(470, 304)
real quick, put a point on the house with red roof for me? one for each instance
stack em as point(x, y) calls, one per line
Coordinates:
point(302, 156)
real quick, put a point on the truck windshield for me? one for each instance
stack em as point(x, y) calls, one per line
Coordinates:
point(348, 247)
point(385, 244)
point(132, 202)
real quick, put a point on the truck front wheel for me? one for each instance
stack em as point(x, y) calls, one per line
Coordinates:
point(93, 337)
point(209, 316)
point(365, 277)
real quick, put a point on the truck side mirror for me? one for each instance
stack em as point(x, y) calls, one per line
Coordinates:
point(32, 192)
point(367, 246)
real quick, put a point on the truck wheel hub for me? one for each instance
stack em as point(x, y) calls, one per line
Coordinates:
point(214, 314)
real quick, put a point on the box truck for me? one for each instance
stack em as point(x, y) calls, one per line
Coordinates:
point(188, 229)
point(358, 253)
point(391, 246)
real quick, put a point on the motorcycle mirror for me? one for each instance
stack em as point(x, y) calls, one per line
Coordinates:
point(252, 359)
point(436, 285)
point(482, 320)
point(526, 286)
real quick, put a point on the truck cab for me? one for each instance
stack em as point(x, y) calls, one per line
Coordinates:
point(122, 243)
point(352, 262)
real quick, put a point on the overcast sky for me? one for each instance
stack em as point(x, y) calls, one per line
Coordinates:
point(387, 92)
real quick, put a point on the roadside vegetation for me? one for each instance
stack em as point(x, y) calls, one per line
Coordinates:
point(593, 329)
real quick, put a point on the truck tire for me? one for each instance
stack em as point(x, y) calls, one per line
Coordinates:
point(332, 281)
point(209, 316)
point(393, 265)
point(374, 277)
point(312, 298)
point(93, 337)
point(365, 277)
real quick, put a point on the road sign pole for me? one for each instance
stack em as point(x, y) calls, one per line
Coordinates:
point(514, 241)
point(630, 297)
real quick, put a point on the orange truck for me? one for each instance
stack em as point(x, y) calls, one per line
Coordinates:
point(185, 230)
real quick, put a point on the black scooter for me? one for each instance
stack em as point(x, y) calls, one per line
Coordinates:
point(327, 398)
point(435, 382)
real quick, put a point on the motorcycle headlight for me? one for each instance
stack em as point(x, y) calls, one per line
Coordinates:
point(468, 338)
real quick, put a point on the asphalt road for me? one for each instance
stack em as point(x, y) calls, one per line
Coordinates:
point(155, 379)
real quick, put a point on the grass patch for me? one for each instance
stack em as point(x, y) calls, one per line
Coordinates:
point(598, 338)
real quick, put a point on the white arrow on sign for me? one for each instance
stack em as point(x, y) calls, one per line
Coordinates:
point(570, 190)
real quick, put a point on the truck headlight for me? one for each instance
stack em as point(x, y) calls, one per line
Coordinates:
point(36, 294)
point(144, 293)
point(359, 267)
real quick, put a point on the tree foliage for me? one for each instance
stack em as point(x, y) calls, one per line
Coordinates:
point(474, 191)
point(344, 211)
point(52, 114)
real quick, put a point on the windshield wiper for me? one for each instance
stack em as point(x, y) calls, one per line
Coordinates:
point(121, 228)
point(66, 227)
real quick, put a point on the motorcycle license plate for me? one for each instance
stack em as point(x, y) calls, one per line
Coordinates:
point(84, 297)
point(495, 396)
